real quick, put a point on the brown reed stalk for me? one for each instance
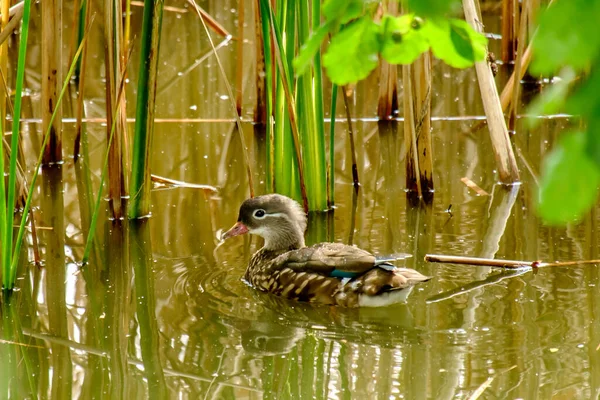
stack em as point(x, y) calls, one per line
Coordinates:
point(51, 77)
point(260, 109)
point(355, 179)
point(505, 158)
point(388, 80)
point(239, 72)
point(508, 39)
point(113, 34)
point(417, 128)
point(520, 46)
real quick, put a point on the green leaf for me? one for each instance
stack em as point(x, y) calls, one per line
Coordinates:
point(569, 183)
point(353, 52)
point(342, 11)
point(402, 43)
point(585, 101)
point(455, 42)
point(433, 8)
point(566, 36)
point(310, 48)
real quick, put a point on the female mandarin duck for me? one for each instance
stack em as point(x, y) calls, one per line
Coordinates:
point(326, 273)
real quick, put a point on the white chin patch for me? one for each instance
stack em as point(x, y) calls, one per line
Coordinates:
point(385, 299)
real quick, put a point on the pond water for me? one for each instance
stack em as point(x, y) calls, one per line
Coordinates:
point(162, 312)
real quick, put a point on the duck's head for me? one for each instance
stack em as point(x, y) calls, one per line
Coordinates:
point(278, 219)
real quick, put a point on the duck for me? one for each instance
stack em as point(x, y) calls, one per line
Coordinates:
point(325, 273)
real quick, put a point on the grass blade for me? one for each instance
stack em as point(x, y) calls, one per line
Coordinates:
point(7, 282)
point(144, 121)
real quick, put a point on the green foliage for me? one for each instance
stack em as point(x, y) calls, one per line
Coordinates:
point(405, 42)
point(568, 187)
point(358, 40)
point(352, 54)
point(563, 43)
point(565, 36)
point(455, 42)
point(433, 8)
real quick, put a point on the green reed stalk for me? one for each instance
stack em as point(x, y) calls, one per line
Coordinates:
point(19, 240)
point(7, 273)
point(94, 221)
point(269, 79)
point(282, 51)
point(331, 176)
point(81, 24)
point(310, 111)
point(144, 120)
point(286, 179)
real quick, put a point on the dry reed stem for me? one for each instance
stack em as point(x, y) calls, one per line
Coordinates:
point(508, 264)
point(12, 25)
point(505, 159)
point(260, 109)
point(517, 72)
point(417, 126)
point(174, 183)
point(508, 40)
point(355, 179)
point(413, 176)
point(238, 122)
point(473, 186)
point(422, 86)
point(113, 34)
point(240, 59)
point(51, 77)
point(388, 80)
point(208, 19)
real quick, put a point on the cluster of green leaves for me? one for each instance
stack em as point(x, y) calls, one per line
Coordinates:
point(564, 44)
point(358, 41)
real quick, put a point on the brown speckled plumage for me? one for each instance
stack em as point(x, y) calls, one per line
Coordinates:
point(286, 267)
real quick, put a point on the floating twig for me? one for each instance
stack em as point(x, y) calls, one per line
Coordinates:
point(509, 264)
point(172, 182)
point(473, 186)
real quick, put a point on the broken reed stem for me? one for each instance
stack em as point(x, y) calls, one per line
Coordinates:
point(240, 59)
point(505, 158)
point(115, 109)
point(517, 72)
point(206, 19)
point(51, 77)
point(417, 127)
point(422, 88)
point(509, 264)
point(387, 105)
point(260, 109)
point(508, 41)
point(351, 136)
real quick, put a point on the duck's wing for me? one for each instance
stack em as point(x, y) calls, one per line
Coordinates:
point(330, 259)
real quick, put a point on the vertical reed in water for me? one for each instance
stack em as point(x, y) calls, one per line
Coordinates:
point(388, 77)
point(144, 121)
point(51, 76)
point(296, 150)
point(417, 127)
point(8, 268)
point(114, 64)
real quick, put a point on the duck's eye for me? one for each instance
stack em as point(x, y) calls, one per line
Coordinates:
point(260, 214)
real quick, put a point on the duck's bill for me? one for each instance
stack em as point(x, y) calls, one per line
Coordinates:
point(236, 230)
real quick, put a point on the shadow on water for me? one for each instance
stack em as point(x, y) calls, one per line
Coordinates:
point(161, 311)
